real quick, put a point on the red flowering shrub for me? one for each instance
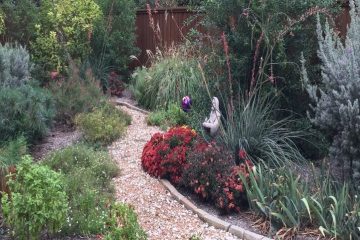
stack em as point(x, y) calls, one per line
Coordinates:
point(164, 155)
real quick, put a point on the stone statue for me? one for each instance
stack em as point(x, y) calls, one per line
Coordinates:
point(213, 122)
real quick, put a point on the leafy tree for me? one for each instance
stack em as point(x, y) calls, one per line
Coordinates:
point(114, 35)
point(63, 32)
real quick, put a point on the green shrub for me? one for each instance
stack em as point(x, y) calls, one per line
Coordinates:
point(157, 118)
point(113, 40)
point(74, 22)
point(38, 201)
point(75, 95)
point(173, 116)
point(87, 212)
point(88, 186)
point(15, 66)
point(20, 18)
point(171, 77)
point(97, 167)
point(12, 151)
point(25, 110)
point(123, 224)
point(103, 125)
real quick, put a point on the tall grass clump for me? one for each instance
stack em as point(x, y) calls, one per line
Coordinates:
point(251, 127)
point(173, 75)
point(12, 151)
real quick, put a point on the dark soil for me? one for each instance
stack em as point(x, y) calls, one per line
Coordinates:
point(60, 136)
point(244, 219)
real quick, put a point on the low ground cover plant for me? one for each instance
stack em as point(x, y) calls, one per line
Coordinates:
point(173, 116)
point(38, 201)
point(88, 175)
point(123, 224)
point(103, 124)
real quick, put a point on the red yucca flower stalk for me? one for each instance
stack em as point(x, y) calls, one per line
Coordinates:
point(256, 55)
point(226, 51)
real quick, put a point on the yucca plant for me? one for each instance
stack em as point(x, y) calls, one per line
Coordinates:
point(251, 126)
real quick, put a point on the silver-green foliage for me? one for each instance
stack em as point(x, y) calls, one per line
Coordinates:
point(336, 99)
point(14, 65)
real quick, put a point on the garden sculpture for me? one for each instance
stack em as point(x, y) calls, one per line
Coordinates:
point(212, 123)
point(186, 104)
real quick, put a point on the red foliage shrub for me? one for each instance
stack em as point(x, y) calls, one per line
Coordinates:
point(164, 155)
point(212, 174)
point(116, 86)
point(231, 196)
point(207, 166)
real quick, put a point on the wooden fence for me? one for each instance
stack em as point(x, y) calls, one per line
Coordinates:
point(171, 25)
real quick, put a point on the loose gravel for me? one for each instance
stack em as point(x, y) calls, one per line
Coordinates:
point(160, 215)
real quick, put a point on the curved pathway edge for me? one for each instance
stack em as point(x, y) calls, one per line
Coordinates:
point(211, 219)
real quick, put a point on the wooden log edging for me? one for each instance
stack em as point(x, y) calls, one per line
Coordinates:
point(128, 105)
point(206, 217)
point(210, 219)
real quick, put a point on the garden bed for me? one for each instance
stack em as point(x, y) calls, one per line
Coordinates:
point(60, 136)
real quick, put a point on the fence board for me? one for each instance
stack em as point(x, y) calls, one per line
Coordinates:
point(173, 27)
point(172, 24)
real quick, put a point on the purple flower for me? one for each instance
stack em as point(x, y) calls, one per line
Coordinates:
point(186, 104)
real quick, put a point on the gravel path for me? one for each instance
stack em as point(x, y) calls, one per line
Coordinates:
point(161, 216)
